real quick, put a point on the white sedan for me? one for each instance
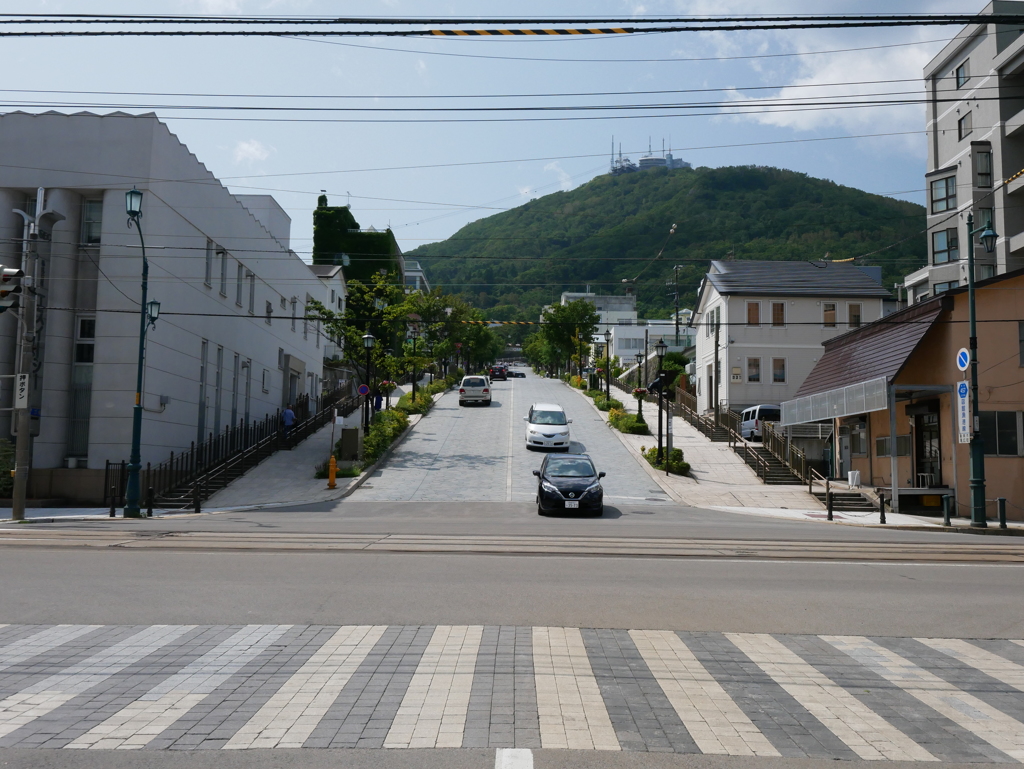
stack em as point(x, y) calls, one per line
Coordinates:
point(547, 427)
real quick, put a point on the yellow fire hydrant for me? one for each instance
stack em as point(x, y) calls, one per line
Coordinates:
point(332, 472)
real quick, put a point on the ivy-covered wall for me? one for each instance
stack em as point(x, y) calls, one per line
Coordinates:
point(336, 232)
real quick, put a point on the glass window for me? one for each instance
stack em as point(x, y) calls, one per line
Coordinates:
point(779, 370)
point(208, 280)
point(84, 353)
point(964, 126)
point(753, 313)
point(569, 468)
point(252, 293)
point(859, 440)
point(943, 194)
point(963, 73)
point(223, 272)
point(941, 287)
point(547, 417)
point(92, 222)
point(945, 246)
point(269, 311)
point(999, 433)
point(778, 313)
point(754, 368)
point(983, 169)
point(239, 280)
point(829, 314)
point(854, 311)
point(86, 328)
point(984, 217)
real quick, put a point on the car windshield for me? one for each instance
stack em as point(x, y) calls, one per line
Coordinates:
point(548, 418)
point(474, 382)
point(563, 467)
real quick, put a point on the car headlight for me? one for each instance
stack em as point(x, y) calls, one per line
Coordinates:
point(549, 487)
point(534, 432)
point(593, 488)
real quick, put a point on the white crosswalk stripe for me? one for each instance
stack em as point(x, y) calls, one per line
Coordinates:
point(569, 703)
point(716, 723)
point(865, 732)
point(52, 692)
point(290, 716)
point(973, 714)
point(433, 710)
point(988, 663)
point(137, 724)
point(41, 642)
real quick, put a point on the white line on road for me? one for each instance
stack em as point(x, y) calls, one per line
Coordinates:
point(513, 758)
point(511, 430)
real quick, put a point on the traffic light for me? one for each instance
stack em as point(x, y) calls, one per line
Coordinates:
point(10, 288)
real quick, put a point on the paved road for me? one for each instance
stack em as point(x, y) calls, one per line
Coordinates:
point(478, 453)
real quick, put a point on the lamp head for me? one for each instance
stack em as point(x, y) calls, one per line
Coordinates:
point(607, 336)
point(369, 340)
point(639, 358)
point(153, 310)
point(988, 239)
point(661, 348)
point(133, 203)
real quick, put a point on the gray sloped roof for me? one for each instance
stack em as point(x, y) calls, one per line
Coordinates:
point(825, 279)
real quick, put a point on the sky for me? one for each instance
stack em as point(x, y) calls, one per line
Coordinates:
point(427, 179)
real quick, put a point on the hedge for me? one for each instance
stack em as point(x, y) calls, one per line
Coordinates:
point(424, 400)
point(675, 462)
point(385, 427)
point(627, 423)
point(604, 404)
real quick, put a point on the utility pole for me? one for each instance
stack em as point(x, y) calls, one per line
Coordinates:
point(675, 274)
point(717, 369)
point(26, 355)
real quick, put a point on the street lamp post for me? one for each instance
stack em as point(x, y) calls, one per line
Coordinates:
point(368, 341)
point(607, 364)
point(988, 239)
point(640, 384)
point(133, 495)
point(660, 348)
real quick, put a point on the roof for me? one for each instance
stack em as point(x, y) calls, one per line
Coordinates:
point(547, 407)
point(874, 351)
point(325, 270)
point(825, 279)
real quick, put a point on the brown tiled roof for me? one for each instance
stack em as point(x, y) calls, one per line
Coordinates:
point(876, 350)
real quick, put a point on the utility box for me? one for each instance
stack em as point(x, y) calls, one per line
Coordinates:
point(351, 438)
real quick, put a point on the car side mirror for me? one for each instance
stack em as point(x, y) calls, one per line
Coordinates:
point(537, 473)
point(525, 419)
point(601, 475)
point(568, 421)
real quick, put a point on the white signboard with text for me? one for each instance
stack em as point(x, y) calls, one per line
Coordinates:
point(963, 413)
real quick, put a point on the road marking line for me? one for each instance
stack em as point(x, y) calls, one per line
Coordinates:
point(511, 430)
point(716, 723)
point(433, 710)
point(570, 707)
point(513, 758)
point(973, 714)
point(41, 642)
point(988, 663)
point(869, 735)
point(52, 692)
point(140, 722)
point(290, 716)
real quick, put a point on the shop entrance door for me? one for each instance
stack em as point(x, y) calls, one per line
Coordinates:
point(927, 450)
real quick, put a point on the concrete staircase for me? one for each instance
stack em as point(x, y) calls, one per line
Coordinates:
point(848, 502)
point(777, 473)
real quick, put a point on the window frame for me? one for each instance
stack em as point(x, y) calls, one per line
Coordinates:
point(785, 373)
point(849, 314)
point(239, 282)
point(252, 291)
point(952, 249)
point(962, 73)
point(965, 126)
point(223, 254)
point(835, 314)
point(948, 200)
point(84, 239)
point(756, 307)
point(979, 174)
point(208, 277)
point(997, 430)
point(783, 306)
point(753, 359)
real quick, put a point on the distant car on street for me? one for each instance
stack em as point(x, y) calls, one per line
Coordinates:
point(474, 389)
point(517, 374)
point(547, 427)
point(569, 482)
point(498, 372)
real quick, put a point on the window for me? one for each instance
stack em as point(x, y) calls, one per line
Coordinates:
point(938, 288)
point(208, 280)
point(753, 313)
point(92, 222)
point(266, 381)
point(999, 433)
point(945, 246)
point(295, 303)
point(883, 446)
point(859, 439)
point(218, 390)
point(201, 422)
point(85, 344)
point(778, 371)
point(223, 272)
point(964, 126)
point(631, 344)
point(239, 280)
point(284, 303)
point(270, 311)
point(963, 73)
point(753, 370)
point(252, 293)
point(280, 358)
point(828, 314)
point(983, 169)
point(80, 406)
point(305, 321)
point(943, 194)
point(854, 314)
point(778, 314)
point(984, 271)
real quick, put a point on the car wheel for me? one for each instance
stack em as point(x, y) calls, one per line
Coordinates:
point(488, 403)
point(540, 510)
point(462, 403)
point(600, 512)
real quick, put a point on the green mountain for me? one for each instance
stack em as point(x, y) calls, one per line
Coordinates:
point(613, 227)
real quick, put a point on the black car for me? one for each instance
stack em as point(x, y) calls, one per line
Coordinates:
point(517, 374)
point(498, 372)
point(569, 482)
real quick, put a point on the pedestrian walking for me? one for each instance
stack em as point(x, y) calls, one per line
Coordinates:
point(288, 418)
point(378, 400)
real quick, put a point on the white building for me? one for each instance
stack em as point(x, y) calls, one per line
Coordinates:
point(231, 343)
point(415, 277)
point(764, 322)
point(975, 130)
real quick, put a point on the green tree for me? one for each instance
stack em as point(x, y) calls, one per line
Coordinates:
point(564, 324)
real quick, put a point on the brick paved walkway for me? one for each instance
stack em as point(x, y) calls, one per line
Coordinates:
point(395, 687)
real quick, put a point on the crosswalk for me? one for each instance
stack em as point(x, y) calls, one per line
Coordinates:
point(95, 687)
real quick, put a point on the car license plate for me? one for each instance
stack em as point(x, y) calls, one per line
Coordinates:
point(571, 505)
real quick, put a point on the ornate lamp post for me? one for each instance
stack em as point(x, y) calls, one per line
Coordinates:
point(369, 340)
point(608, 364)
point(988, 240)
point(660, 349)
point(149, 311)
point(640, 385)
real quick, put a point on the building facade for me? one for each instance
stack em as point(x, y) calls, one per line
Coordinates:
point(975, 132)
point(231, 344)
point(759, 325)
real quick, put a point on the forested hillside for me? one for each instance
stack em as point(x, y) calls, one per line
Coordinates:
point(611, 228)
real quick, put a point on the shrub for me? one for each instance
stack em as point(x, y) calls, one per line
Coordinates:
point(386, 426)
point(604, 404)
point(595, 394)
point(437, 386)
point(627, 423)
point(456, 374)
point(578, 382)
point(343, 472)
point(675, 462)
point(424, 400)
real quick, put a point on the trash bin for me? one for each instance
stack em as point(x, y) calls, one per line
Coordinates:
point(853, 478)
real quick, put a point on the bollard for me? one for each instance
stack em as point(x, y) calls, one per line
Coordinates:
point(1001, 507)
point(195, 498)
point(881, 508)
point(828, 503)
point(332, 473)
point(113, 500)
point(946, 507)
point(149, 502)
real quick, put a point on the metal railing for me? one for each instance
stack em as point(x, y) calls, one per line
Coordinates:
point(783, 449)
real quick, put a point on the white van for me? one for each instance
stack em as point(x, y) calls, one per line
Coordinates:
point(753, 417)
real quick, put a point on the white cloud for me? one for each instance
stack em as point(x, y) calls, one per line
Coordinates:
point(252, 151)
point(524, 191)
point(564, 179)
point(421, 67)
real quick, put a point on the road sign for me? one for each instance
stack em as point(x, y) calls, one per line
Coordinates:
point(963, 359)
point(963, 413)
point(21, 392)
point(364, 390)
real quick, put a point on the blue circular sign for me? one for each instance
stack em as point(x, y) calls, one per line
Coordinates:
point(963, 359)
point(961, 389)
point(364, 390)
